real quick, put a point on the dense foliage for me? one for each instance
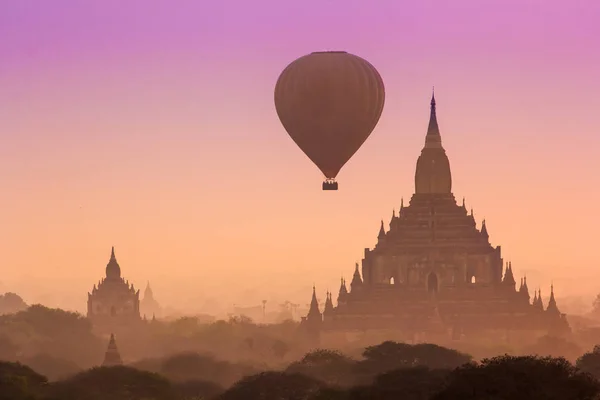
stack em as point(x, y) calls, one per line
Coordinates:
point(53, 355)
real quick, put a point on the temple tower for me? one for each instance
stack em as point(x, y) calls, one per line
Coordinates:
point(112, 356)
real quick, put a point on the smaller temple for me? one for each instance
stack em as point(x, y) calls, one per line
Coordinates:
point(112, 356)
point(114, 302)
point(148, 305)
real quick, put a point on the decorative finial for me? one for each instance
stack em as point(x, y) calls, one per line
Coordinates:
point(401, 203)
point(464, 206)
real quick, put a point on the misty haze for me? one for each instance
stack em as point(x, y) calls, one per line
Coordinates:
point(315, 200)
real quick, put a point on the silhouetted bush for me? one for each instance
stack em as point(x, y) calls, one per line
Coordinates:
point(19, 382)
point(195, 390)
point(11, 303)
point(274, 386)
point(516, 378)
point(53, 368)
point(590, 362)
point(390, 355)
point(417, 383)
point(193, 366)
point(113, 383)
point(329, 366)
point(54, 332)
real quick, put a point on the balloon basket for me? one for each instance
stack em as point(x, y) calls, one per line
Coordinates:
point(330, 185)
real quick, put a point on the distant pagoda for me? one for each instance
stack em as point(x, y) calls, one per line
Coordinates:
point(112, 356)
point(114, 302)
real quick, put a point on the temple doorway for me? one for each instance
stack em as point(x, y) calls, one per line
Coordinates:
point(432, 283)
point(392, 280)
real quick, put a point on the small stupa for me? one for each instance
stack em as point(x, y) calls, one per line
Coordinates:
point(112, 356)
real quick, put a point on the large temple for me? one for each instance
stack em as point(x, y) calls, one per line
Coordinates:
point(114, 302)
point(434, 271)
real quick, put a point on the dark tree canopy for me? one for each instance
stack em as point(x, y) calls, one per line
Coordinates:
point(516, 378)
point(192, 366)
point(114, 383)
point(329, 366)
point(11, 303)
point(273, 386)
point(590, 362)
point(390, 355)
point(19, 382)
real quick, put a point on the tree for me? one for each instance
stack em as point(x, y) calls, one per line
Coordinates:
point(191, 366)
point(19, 382)
point(590, 362)
point(53, 368)
point(192, 390)
point(55, 332)
point(114, 383)
point(516, 378)
point(8, 349)
point(274, 386)
point(416, 383)
point(390, 355)
point(11, 303)
point(329, 366)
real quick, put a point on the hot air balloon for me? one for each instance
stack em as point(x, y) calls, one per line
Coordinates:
point(329, 103)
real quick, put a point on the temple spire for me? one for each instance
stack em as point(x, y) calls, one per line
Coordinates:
point(112, 254)
point(484, 231)
point(112, 356)
point(509, 278)
point(552, 307)
point(433, 175)
point(356, 279)
point(540, 305)
point(314, 303)
point(328, 306)
point(524, 289)
point(343, 293)
point(381, 234)
point(433, 138)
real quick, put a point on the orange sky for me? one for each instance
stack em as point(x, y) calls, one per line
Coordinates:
point(176, 157)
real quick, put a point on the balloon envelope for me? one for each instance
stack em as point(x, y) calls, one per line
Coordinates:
point(329, 103)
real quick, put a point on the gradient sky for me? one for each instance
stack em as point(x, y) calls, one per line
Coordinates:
point(150, 126)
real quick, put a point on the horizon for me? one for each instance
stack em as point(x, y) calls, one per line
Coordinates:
point(160, 138)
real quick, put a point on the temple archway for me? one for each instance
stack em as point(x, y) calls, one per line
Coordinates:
point(432, 283)
point(473, 279)
point(392, 280)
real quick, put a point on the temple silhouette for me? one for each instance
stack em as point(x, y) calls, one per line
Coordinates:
point(112, 356)
point(434, 272)
point(149, 306)
point(114, 303)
